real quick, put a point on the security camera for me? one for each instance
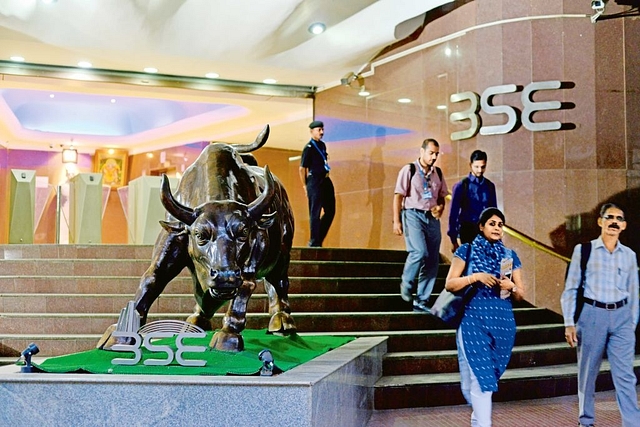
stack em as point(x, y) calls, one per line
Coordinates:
point(597, 5)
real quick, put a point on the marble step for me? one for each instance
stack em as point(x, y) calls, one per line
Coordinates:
point(97, 322)
point(432, 362)
point(116, 251)
point(128, 285)
point(136, 267)
point(181, 303)
point(429, 390)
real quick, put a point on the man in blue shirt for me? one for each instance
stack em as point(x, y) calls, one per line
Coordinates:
point(608, 319)
point(471, 196)
point(314, 174)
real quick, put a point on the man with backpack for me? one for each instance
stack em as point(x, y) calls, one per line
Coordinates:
point(471, 196)
point(418, 203)
point(600, 309)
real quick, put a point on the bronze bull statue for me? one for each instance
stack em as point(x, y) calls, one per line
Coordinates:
point(230, 224)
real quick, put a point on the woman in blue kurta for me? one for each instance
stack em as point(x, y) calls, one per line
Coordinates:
point(487, 332)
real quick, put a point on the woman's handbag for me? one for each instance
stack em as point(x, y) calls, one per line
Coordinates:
point(449, 306)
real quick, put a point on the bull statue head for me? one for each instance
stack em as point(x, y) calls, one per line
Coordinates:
point(222, 236)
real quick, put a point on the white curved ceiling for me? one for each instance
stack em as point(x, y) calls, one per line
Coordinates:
point(241, 40)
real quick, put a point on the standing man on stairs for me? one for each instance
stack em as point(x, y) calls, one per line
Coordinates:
point(473, 194)
point(314, 175)
point(607, 315)
point(418, 203)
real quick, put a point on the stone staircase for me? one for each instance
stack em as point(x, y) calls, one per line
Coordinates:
point(63, 297)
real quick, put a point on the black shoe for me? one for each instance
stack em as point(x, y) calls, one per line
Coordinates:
point(421, 306)
point(405, 293)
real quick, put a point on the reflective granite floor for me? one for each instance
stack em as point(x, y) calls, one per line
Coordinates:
point(555, 412)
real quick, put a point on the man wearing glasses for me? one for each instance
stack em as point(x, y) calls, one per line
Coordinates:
point(608, 319)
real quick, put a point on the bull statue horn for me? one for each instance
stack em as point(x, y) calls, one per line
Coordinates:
point(259, 205)
point(177, 210)
point(261, 139)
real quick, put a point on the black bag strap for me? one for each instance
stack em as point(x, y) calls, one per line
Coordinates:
point(412, 171)
point(585, 252)
point(464, 203)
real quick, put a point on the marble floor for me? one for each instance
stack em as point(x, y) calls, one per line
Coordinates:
point(553, 412)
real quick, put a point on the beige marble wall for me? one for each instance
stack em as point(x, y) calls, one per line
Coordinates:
point(549, 184)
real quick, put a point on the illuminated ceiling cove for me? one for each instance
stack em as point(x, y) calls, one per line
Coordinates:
point(85, 114)
point(181, 71)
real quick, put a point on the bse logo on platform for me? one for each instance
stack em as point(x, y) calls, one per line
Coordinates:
point(159, 349)
point(514, 118)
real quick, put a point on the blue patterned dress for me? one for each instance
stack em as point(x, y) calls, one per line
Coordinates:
point(488, 327)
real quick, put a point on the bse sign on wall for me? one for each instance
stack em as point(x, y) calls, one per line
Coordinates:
point(513, 117)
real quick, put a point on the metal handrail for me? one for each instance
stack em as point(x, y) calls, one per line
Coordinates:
point(533, 243)
point(528, 240)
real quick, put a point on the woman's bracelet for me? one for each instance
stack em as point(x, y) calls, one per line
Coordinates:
point(471, 277)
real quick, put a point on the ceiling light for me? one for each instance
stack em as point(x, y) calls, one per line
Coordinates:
point(52, 95)
point(84, 64)
point(317, 28)
point(404, 100)
point(113, 101)
point(69, 155)
point(269, 81)
point(150, 70)
point(441, 107)
point(212, 75)
point(17, 58)
point(364, 92)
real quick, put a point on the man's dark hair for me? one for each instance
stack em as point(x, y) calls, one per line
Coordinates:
point(606, 206)
point(430, 140)
point(478, 155)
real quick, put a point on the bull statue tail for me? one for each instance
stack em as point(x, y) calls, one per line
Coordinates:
point(260, 205)
point(179, 211)
point(261, 139)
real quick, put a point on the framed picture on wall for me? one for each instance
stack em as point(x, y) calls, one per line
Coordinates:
point(112, 163)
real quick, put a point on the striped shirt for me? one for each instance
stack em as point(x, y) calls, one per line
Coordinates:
point(610, 277)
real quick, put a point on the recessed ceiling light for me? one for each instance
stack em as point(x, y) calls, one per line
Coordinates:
point(17, 58)
point(212, 75)
point(52, 96)
point(404, 100)
point(441, 107)
point(84, 64)
point(150, 70)
point(113, 101)
point(317, 28)
point(447, 51)
point(269, 81)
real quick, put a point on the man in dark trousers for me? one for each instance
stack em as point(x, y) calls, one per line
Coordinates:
point(471, 196)
point(418, 203)
point(314, 174)
point(608, 319)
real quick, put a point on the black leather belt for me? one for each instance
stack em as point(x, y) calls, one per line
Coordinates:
point(606, 305)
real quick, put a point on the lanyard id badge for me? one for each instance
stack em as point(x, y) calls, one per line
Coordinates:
point(326, 163)
point(426, 185)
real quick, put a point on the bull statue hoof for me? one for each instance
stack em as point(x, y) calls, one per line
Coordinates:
point(227, 341)
point(281, 322)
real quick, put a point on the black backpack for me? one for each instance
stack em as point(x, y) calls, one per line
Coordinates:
point(585, 252)
point(412, 170)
